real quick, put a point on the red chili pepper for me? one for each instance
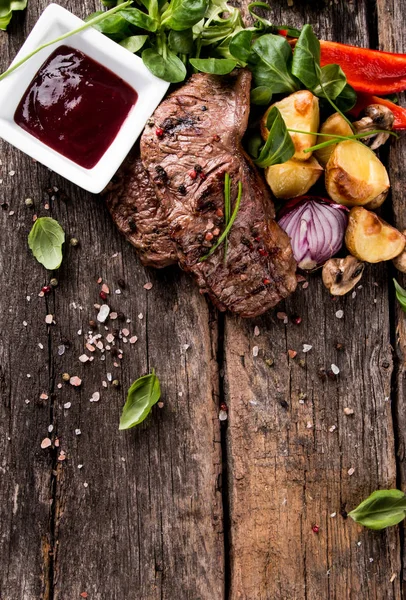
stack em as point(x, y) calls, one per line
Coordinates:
point(283, 32)
point(370, 71)
point(365, 100)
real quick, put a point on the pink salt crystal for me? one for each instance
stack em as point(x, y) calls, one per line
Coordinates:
point(83, 358)
point(44, 397)
point(75, 381)
point(148, 286)
point(99, 280)
point(46, 442)
point(105, 289)
point(133, 339)
point(110, 338)
point(113, 316)
point(90, 347)
point(49, 319)
point(125, 332)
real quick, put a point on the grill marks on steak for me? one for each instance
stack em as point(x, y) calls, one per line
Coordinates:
point(138, 214)
point(203, 123)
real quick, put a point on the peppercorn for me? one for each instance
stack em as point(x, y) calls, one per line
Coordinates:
point(266, 281)
point(29, 202)
point(74, 242)
point(54, 282)
point(159, 132)
point(103, 295)
point(262, 252)
point(92, 324)
point(66, 376)
point(296, 320)
point(193, 174)
point(46, 289)
point(315, 528)
point(115, 383)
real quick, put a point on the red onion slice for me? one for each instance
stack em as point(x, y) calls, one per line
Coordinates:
point(316, 228)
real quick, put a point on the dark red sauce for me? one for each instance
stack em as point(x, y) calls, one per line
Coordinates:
point(75, 105)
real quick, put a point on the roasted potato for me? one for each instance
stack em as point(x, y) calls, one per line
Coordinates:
point(299, 111)
point(293, 178)
point(354, 175)
point(371, 239)
point(399, 261)
point(335, 125)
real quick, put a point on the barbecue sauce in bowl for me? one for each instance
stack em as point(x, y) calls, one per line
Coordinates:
point(75, 106)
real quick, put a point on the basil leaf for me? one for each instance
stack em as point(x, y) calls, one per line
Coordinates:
point(139, 19)
point(261, 95)
point(279, 146)
point(45, 241)
point(141, 397)
point(6, 10)
point(253, 144)
point(240, 45)
point(347, 99)
point(170, 68)
point(306, 58)
point(215, 66)
point(382, 509)
point(183, 14)
point(400, 295)
point(181, 41)
point(332, 82)
point(134, 42)
point(270, 59)
point(114, 25)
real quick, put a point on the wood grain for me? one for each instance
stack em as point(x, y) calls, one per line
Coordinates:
point(392, 38)
point(291, 448)
point(134, 514)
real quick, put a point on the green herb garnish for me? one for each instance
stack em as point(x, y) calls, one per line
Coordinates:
point(381, 509)
point(95, 21)
point(400, 295)
point(338, 138)
point(227, 208)
point(279, 146)
point(6, 10)
point(45, 241)
point(141, 397)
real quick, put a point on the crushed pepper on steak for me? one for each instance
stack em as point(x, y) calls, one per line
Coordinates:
point(182, 173)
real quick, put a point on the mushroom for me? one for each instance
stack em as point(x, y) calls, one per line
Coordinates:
point(399, 261)
point(377, 116)
point(340, 275)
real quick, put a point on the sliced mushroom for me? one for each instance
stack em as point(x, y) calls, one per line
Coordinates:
point(340, 275)
point(377, 116)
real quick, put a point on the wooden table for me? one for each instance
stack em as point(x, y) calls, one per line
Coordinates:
point(185, 507)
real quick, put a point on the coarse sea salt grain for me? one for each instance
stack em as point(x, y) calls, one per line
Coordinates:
point(50, 428)
point(77, 432)
point(125, 332)
point(133, 339)
point(110, 338)
point(335, 369)
point(67, 405)
point(109, 376)
point(148, 286)
point(46, 442)
point(49, 319)
point(75, 381)
point(25, 323)
point(103, 313)
point(255, 351)
point(256, 331)
point(83, 358)
point(40, 346)
point(351, 471)
point(339, 314)
point(95, 397)
point(307, 347)
point(140, 316)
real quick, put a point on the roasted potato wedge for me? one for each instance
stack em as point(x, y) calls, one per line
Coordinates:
point(354, 175)
point(335, 125)
point(399, 261)
point(371, 239)
point(293, 178)
point(299, 111)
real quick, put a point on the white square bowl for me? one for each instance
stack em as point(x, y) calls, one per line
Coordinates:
point(56, 21)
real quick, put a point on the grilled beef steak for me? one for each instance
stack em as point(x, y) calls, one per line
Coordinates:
point(136, 211)
point(193, 140)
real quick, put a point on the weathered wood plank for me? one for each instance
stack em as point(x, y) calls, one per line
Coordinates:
point(142, 518)
point(392, 38)
point(290, 445)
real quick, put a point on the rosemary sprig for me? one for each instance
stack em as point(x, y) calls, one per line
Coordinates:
point(66, 35)
point(227, 208)
point(229, 225)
